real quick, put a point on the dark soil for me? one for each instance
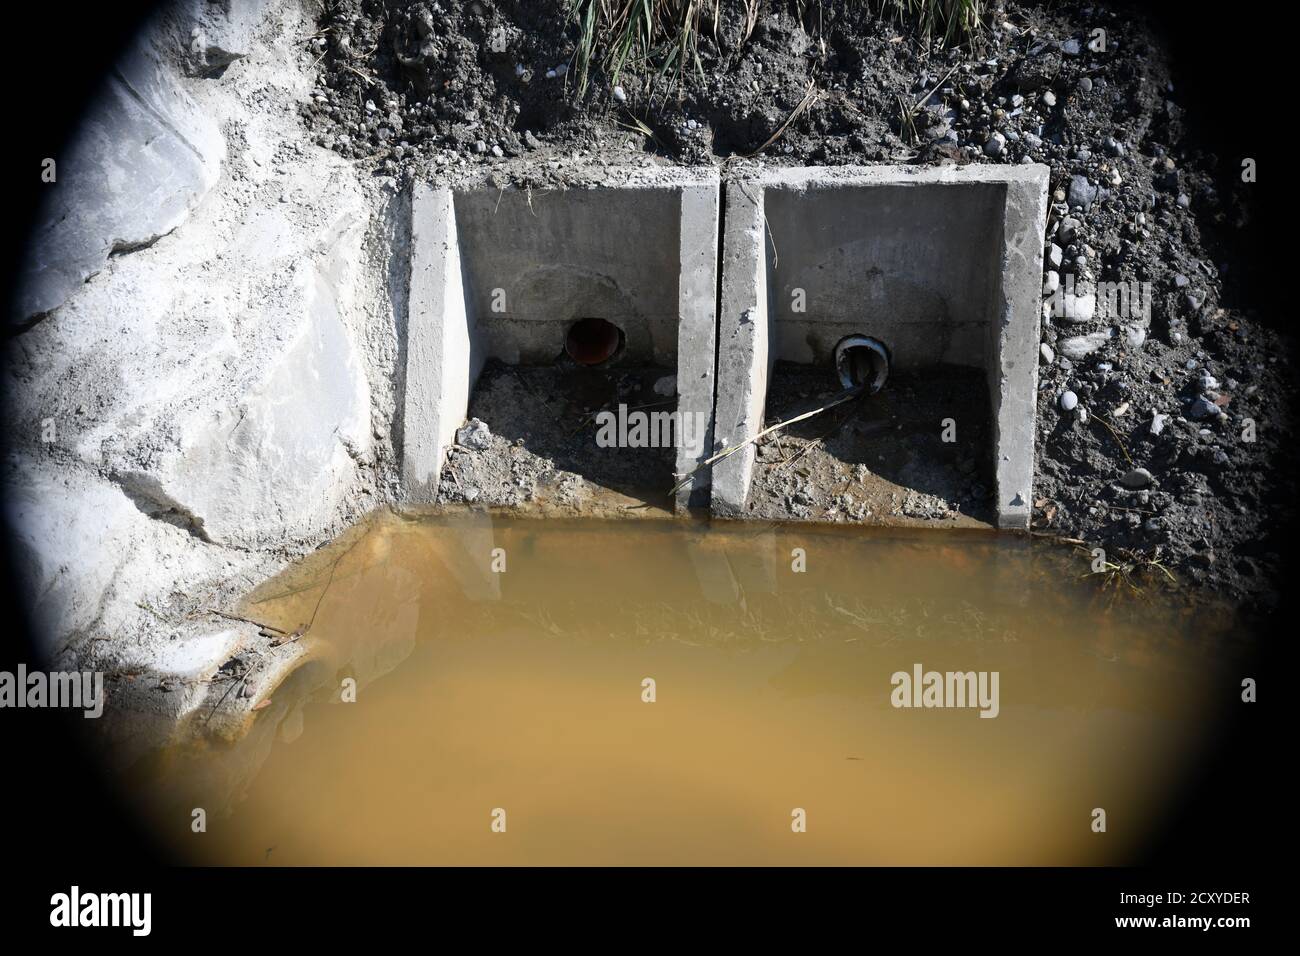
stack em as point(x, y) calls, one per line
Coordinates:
point(428, 89)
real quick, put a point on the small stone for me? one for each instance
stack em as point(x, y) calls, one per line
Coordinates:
point(1055, 255)
point(1051, 282)
point(1071, 47)
point(1049, 98)
point(474, 434)
point(996, 143)
point(619, 94)
point(1202, 408)
point(1137, 478)
point(1069, 230)
point(1069, 400)
point(1085, 85)
point(1081, 192)
point(1046, 352)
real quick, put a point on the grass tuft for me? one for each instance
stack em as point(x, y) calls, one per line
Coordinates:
point(950, 21)
point(663, 36)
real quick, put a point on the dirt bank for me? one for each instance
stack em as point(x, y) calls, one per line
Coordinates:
point(1177, 387)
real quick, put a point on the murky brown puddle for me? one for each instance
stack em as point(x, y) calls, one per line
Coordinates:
point(480, 691)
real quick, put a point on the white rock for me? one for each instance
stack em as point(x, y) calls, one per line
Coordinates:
point(144, 157)
point(1080, 346)
point(1080, 307)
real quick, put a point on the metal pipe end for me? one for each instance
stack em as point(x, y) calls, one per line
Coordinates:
point(862, 362)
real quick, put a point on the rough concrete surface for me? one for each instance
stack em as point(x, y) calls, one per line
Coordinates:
point(502, 274)
point(941, 264)
point(216, 398)
point(146, 155)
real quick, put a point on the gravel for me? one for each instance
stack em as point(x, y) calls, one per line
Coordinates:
point(1138, 199)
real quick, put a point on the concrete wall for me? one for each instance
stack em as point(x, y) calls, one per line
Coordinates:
point(535, 263)
point(915, 268)
point(504, 273)
point(942, 264)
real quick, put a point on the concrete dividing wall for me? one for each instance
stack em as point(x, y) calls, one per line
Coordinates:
point(942, 264)
point(503, 273)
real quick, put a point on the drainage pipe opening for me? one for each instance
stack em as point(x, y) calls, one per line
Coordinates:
point(593, 341)
point(862, 362)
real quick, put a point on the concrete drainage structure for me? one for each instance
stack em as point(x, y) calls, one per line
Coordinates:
point(942, 265)
point(939, 266)
point(520, 276)
point(213, 371)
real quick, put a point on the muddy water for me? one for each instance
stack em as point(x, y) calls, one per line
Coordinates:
point(479, 691)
